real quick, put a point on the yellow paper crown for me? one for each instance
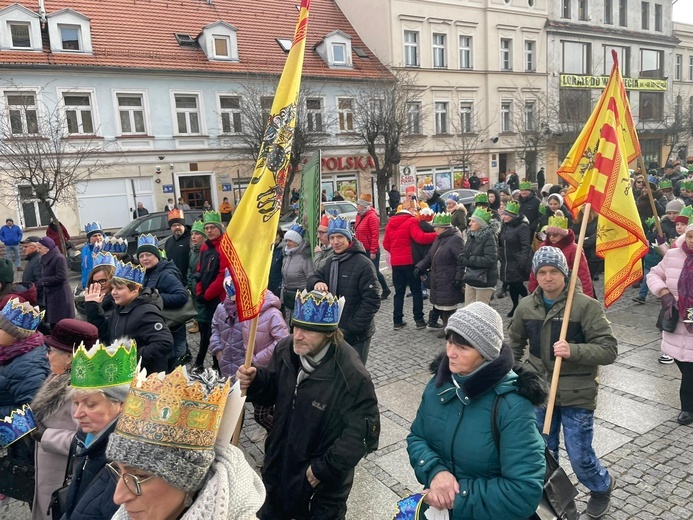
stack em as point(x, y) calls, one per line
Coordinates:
point(170, 410)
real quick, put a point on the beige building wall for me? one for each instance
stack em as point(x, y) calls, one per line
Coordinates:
point(683, 83)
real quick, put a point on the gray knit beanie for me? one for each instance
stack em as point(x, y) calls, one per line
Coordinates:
point(549, 255)
point(675, 205)
point(481, 326)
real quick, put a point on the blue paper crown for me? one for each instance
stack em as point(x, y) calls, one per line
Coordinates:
point(338, 223)
point(298, 228)
point(229, 287)
point(93, 226)
point(147, 240)
point(411, 508)
point(428, 187)
point(104, 259)
point(22, 316)
point(454, 196)
point(129, 272)
point(114, 245)
point(317, 310)
point(654, 180)
point(19, 423)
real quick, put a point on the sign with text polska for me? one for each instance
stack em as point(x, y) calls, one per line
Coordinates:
point(407, 177)
point(575, 81)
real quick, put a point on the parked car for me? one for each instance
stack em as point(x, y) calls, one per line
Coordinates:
point(343, 208)
point(154, 223)
point(466, 197)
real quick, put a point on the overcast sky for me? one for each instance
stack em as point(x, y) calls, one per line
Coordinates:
point(683, 11)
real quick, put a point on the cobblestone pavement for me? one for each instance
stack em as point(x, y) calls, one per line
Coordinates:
point(636, 435)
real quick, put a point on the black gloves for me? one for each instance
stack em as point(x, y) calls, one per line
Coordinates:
point(417, 272)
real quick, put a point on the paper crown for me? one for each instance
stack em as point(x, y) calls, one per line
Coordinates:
point(104, 259)
point(93, 227)
point(298, 228)
point(542, 209)
point(111, 245)
point(169, 410)
point(97, 368)
point(22, 315)
point(665, 184)
point(147, 240)
point(453, 197)
point(557, 221)
point(19, 423)
point(442, 219)
point(512, 207)
point(318, 311)
point(650, 222)
point(653, 179)
point(229, 287)
point(175, 216)
point(413, 507)
point(687, 185)
point(409, 189)
point(129, 272)
point(483, 214)
point(428, 188)
point(481, 198)
point(211, 217)
point(686, 211)
point(198, 227)
point(339, 224)
point(526, 185)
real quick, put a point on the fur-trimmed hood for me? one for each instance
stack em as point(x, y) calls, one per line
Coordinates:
point(51, 397)
point(529, 383)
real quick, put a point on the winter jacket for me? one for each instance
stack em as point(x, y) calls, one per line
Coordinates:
point(320, 258)
point(399, 233)
point(441, 264)
point(21, 377)
point(191, 278)
point(11, 236)
point(569, 247)
point(665, 275)
point(514, 246)
point(529, 207)
point(481, 250)
point(419, 251)
point(368, 231)
point(358, 283)
point(87, 262)
point(544, 219)
point(436, 203)
point(459, 218)
point(90, 496)
point(24, 291)
point(178, 251)
point(33, 270)
point(274, 283)
point(452, 432)
point(592, 343)
point(52, 232)
point(167, 280)
point(60, 302)
point(142, 321)
point(297, 266)
point(590, 244)
point(210, 274)
point(329, 422)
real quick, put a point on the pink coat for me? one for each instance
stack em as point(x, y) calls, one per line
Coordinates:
point(665, 275)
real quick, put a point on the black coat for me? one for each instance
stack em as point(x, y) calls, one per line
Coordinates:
point(419, 251)
point(60, 302)
point(33, 270)
point(481, 250)
point(325, 422)
point(168, 281)
point(90, 496)
point(515, 250)
point(142, 321)
point(441, 260)
point(529, 207)
point(20, 379)
point(359, 285)
point(275, 276)
point(178, 251)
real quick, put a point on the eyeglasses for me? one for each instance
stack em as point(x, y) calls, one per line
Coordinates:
point(101, 282)
point(322, 232)
point(133, 483)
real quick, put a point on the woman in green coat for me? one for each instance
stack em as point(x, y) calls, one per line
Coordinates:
point(451, 445)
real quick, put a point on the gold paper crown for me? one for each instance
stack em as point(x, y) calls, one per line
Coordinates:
point(169, 410)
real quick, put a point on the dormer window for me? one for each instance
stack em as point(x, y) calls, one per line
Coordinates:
point(335, 49)
point(20, 29)
point(218, 41)
point(70, 37)
point(21, 35)
point(222, 45)
point(339, 53)
point(69, 31)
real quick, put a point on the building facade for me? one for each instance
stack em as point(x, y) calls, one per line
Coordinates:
point(682, 143)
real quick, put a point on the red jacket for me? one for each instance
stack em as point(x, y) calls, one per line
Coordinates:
point(368, 230)
point(215, 289)
point(400, 231)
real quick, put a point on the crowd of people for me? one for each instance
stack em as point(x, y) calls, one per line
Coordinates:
point(107, 440)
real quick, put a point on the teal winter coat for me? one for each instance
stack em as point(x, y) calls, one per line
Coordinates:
point(452, 432)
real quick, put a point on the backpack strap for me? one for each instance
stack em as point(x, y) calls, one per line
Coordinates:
point(494, 420)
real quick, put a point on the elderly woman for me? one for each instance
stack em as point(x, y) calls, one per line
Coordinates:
point(60, 302)
point(52, 409)
point(671, 280)
point(100, 379)
point(451, 445)
point(297, 266)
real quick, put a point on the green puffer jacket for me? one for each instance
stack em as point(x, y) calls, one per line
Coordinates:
point(592, 343)
point(452, 432)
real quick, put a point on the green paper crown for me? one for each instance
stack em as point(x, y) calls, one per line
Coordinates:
point(481, 198)
point(211, 217)
point(442, 219)
point(513, 207)
point(558, 222)
point(542, 209)
point(665, 184)
point(526, 185)
point(97, 368)
point(483, 214)
point(650, 222)
point(199, 226)
point(686, 211)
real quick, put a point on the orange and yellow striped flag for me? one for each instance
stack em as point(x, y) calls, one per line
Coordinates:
point(597, 170)
point(249, 239)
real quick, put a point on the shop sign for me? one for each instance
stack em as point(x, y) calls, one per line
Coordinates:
point(347, 163)
point(576, 81)
point(407, 177)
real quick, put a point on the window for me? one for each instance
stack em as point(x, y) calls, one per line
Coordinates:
point(466, 118)
point(345, 114)
point(35, 213)
point(623, 13)
point(651, 149)
point(414, 118)
point(623, 56)
point(530, 116)
point(222, 47)
point(576, 58)
point(339, 56)
point(651, 106)
point(439, 51)
point(314, 114)
point(565, 11)
point(20, 35)
point(575, 106)
point(678, 67)
point(441, 110)
point(506, 54)
point(78, 113)
point(131, 112)
point(583, 10)
point(690, 68)
point(21, 107)
point(266, 108)
point(658, 17)
point(466, 52)
point(645, 11)
point(506, 116)
point(230, 108)
point(70, 37)
point(608, 12)
point(187, 114)
point(690, 110)
point(411, 49)
point(651, 64)
point(530, 65)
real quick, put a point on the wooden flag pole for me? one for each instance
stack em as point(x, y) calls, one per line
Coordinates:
point(641, 163)
point(566, 317)
point(248, 362)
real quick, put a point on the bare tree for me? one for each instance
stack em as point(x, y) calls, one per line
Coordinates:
point(36, 155)
point(532, 122)
point(469, 139)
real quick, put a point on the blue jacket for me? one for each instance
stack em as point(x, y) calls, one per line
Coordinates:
point(167, 279)
point(452, 432)
point(21, 378)
point(11, 236)
point(87, 263)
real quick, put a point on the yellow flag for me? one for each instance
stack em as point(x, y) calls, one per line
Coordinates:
point(249, 239)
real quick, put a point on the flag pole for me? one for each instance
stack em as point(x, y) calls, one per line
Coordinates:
point(248, 362)
point(641, 163)
point(566, 317)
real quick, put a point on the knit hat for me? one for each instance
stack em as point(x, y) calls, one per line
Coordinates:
point(6, 270)
point(148, 244)
point(47, 242)
point(366, 199)
point(295, 233)
point(675, 205)
point(549, 255)
point(68, 333)
point(482, 217)
point(481, 326)
point(341, 226)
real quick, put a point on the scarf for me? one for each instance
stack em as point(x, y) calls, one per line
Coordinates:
point(290, 250)
point(334, 269)
point(20, 347)
point(685, 286)
point(310, 364)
